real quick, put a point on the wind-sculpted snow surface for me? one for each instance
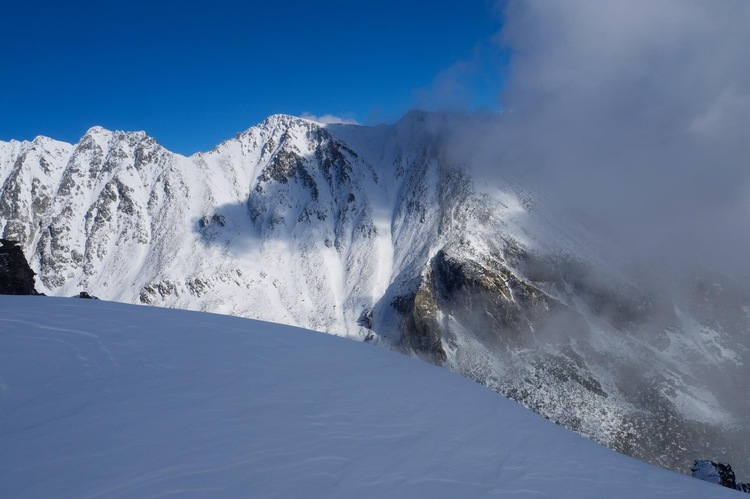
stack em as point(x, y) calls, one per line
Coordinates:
point(100, 399)
point(384, 234)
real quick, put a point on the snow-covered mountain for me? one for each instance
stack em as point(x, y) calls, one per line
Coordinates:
point(99, 399)
point(381, 234)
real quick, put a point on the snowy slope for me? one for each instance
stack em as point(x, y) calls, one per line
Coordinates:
point(101, 399)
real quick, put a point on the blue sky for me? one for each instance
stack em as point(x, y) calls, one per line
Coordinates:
point(194, 73)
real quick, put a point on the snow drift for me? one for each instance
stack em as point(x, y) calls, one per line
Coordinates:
point(99, 399)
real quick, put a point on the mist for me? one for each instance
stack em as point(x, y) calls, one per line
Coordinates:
point(634, 113)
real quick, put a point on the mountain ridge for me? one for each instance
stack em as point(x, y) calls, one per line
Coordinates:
point(382, 235)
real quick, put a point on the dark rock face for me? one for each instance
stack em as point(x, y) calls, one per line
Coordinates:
point(16, 277)
point(85, 295)
point(489, 299)
point(718, 473)
point(502, 310)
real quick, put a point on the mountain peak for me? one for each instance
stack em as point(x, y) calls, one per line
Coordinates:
point(275, 122)
point(97, 130)
point(285, 120)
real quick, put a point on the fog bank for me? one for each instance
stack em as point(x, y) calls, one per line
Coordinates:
point(635, 113)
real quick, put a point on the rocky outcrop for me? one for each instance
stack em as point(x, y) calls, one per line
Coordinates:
point(492, 303)
point(16, 277)
point(718, 473)
point(421, 329)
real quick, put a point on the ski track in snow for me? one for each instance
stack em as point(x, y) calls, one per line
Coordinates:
point(105, 400)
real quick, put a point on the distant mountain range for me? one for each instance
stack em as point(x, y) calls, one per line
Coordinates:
point(380, 234)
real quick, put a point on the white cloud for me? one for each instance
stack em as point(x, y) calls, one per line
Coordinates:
point(636, 111)
point(330, 119)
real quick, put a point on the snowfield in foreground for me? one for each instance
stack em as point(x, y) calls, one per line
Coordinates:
point(100, 399)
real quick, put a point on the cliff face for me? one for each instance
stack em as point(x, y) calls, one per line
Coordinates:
point(16, 277)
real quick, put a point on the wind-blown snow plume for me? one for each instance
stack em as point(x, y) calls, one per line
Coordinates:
point(330, 119)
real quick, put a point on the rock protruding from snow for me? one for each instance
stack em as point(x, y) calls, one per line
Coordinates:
point(718, 473)
point(16, 277)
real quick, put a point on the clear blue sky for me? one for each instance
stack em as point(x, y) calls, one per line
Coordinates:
point(194, 73)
